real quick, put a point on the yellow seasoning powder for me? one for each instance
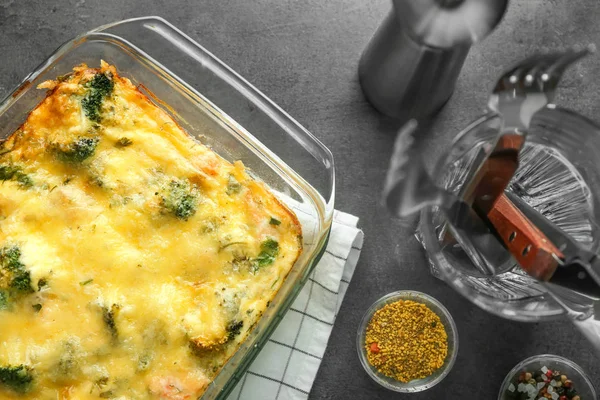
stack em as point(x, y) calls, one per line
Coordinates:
point(405, 340)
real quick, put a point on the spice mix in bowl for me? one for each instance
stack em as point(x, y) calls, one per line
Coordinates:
point(407, 341)
point(547, 376)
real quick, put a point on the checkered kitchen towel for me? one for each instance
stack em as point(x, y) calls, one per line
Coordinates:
point(287, 366)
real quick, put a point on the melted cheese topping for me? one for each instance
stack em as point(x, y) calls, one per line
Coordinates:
point(149, 257)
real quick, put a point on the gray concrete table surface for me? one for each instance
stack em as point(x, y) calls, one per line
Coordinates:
point(303, 55)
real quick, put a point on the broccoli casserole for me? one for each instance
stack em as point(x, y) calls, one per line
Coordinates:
point(133, 259)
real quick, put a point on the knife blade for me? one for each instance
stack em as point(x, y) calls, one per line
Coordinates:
point(497, 258)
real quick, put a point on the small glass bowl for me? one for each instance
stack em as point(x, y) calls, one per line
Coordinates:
point(554, 167)
point(416, 385)
point(581, 382)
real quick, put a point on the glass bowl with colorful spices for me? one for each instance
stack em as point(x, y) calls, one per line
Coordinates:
point(407, 341)
point(547, 376)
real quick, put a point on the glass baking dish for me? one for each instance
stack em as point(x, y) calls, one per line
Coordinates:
point(222, 110)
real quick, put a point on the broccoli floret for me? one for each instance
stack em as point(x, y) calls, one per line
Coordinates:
point(7, 172)
point(68, 367)
point(234, 328)
point(10, 258)
point(22, 282)
point(3, 299)
point(100, 86)
point(181, 199)
point(15, 173)
point(78, 150)
point(101, 83)
point(24, 179)
point(15, 280)
point(17, 378)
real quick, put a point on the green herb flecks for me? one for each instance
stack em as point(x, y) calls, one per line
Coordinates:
point(78, 150)
point(42, 283)
point(15, 173)
point(274, 221)
point(100, 383)
point(269, 249)
point(124, 142)
point(180, 199)
point(63, 78)
point(109, 316)
point(233, 186)
point(87, 282)
point(144, 362)
point(37, 307)
point(98, 88)
point(17, 378)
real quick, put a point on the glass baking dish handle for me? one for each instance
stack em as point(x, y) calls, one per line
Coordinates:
point(236, 97)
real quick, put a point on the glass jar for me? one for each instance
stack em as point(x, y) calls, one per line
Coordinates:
point(559, 175)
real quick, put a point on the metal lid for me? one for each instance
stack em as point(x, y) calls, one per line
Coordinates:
point(447, 23)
